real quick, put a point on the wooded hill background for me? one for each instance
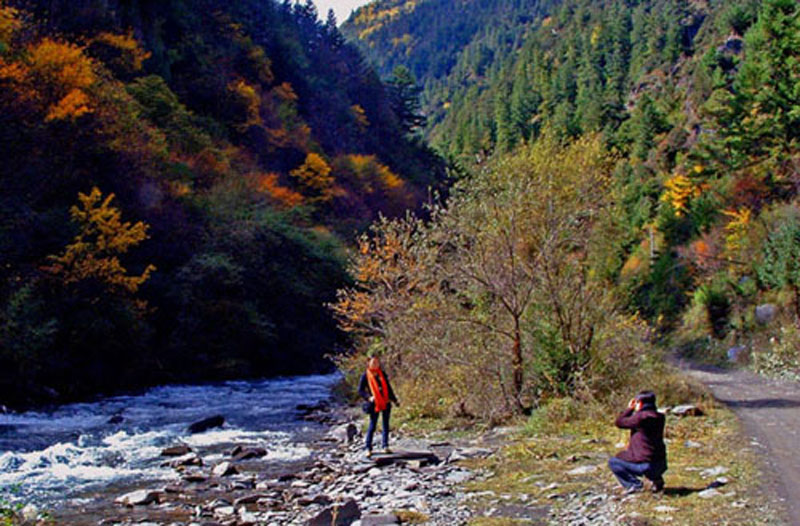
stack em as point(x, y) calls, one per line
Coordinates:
point(245, 145)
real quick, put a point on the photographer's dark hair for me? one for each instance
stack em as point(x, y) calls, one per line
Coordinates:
point(647, 398)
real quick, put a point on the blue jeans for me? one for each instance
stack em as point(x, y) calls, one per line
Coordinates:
point(373, 423)
point(628, 473)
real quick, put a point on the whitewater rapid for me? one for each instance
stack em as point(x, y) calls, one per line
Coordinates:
point(52, 458)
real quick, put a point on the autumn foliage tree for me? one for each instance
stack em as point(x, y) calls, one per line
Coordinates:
point(102, 238)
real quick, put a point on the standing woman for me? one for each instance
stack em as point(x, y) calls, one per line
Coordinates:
point(377, 392)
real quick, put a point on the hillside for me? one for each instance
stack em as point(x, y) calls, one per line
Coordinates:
point(179, 182)
point(695, 108)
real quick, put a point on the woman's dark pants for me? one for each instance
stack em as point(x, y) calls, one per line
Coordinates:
point(628, 473)
point(373, 422)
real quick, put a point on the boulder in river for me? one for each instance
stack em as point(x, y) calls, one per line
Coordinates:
point(141, 497)
point(223, 469)
point(205, 424)
point(176, 451)
point(245, 453)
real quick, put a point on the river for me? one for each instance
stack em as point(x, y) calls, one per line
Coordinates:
point(60, 457)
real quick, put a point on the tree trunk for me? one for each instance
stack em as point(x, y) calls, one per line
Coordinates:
point(516, 364)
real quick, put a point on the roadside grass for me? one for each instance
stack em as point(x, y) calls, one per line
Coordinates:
point(533, 469)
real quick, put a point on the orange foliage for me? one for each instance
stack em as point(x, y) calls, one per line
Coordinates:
point(314, 176)
point(132, 56)
point(103, 236)
point(285, 92)
point(54, 75)
point(283, 196)
point(366, 170)
point(360, 116)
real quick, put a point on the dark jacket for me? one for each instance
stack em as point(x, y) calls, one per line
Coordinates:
point(647, 435)
point(363, 388)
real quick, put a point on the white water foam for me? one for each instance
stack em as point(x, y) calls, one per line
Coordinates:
point(49, 458)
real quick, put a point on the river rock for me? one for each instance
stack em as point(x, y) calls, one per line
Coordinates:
point(379, 520)
point(176, 451)
point(205, 424)
point(341, 515)
point(766, 313)
point(141, 497)
point(190, 459)
point(687, 410)
point(223, 469)
point(713, 472)
point(709, 494)
point(344, 433)
point(246, 453)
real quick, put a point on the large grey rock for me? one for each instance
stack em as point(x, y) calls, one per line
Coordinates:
point(766, 313)
point(340, 515)
point(223, 469)
point(344, 433)
point(687, 410)
point(141, 497)
point(205, 424)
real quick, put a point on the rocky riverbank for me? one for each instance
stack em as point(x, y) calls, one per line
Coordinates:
point(335, 484)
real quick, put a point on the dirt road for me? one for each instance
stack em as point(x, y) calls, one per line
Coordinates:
point(770, 413)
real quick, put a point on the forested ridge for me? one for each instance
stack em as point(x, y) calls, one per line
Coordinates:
point(179, 183)
point(682, 114)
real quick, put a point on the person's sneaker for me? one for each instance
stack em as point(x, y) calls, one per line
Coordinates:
point(386, 451)
point(368, 453)
point(657, 486)
point(633, 489)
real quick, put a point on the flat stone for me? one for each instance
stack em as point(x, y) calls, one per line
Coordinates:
point(140, 497)
point(665, 509)
point(223, 469)
point(342, 515)
point(582, 470)
point(713, 472)
point(687, 410)
point(379, 520)
point(709, 494)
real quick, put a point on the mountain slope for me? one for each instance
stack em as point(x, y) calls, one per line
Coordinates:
point(244, 144)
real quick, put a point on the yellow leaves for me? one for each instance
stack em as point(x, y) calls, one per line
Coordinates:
point(595, 38)
point(103, 236)
point(55, 76)
point(9, 24)
point(360, 116)
point(131, 55)
point(737, 228)
point(679, 189)
point(249, 98)
point(314, 176)
point(72, 106)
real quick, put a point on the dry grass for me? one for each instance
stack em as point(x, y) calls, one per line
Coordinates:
point(537, 466)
